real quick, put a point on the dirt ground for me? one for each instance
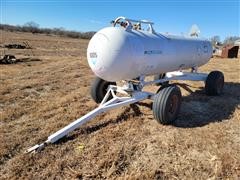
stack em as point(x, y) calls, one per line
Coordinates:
point(49, 89)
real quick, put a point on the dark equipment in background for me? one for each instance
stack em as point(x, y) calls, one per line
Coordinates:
point(230, 51)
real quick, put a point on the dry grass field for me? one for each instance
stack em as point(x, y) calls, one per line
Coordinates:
point(49, 88)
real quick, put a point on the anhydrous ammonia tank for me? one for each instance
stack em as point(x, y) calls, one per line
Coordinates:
point(118, 53)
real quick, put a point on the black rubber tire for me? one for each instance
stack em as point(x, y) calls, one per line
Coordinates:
point(99, 89)
point(163, 86)
point(160, 76)
point(214, 83)
point(166, 104)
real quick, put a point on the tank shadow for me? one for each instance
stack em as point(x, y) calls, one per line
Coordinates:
point(199, 109)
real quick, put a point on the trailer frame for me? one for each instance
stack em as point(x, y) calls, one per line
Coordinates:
point(133, 91)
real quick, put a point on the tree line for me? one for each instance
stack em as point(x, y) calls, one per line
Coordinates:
point(35, 28)
point(230, 40)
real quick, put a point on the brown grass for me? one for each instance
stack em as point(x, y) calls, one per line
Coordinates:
point(38, 97)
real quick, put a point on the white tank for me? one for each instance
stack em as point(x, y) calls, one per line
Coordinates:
point(118, 53)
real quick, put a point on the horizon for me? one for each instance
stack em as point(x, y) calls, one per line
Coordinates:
point(213, 17)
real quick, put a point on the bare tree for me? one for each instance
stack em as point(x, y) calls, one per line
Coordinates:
point(230, 40)
point(31, 26)
point(215, 40)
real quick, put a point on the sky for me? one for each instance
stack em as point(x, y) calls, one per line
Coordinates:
point(213, 17)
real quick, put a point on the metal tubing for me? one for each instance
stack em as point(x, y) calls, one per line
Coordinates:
point(106, 106)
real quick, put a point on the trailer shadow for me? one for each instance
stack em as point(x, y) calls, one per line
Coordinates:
point(199, 110)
